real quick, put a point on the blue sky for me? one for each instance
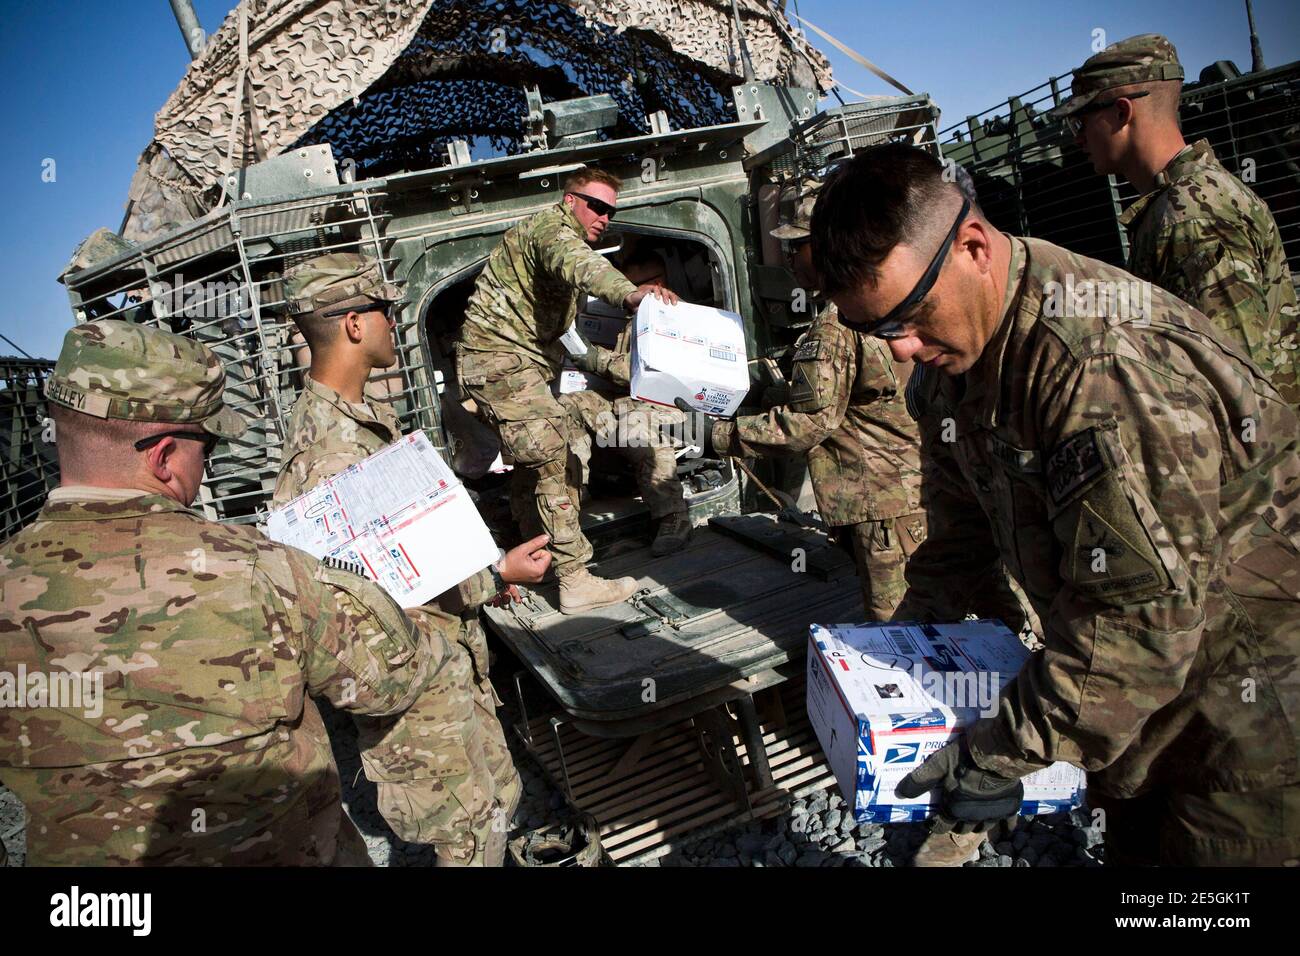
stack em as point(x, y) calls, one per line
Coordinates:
point(83, 79)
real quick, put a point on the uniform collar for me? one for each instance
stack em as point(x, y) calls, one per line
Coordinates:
point(981, 381)
point(85, 503)
point(364, 412)
point(1182, 166)
point(571, 218)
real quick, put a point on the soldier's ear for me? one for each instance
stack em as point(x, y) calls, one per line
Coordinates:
point(158, 459)
point(975, 240)
point(354, 327)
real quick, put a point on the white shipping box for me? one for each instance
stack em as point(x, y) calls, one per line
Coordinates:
point(572, 380)
point(884, 697)
point(691, 352)
point(400, 514)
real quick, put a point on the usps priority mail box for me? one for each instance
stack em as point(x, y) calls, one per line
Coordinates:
point(691, 352)
point(572, 380)
point(883, 697)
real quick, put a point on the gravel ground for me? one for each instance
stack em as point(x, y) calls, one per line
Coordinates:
point(815, 832)
point(13, 827)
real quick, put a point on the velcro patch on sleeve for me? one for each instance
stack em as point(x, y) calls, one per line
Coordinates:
point(1074, 464)
point(807, 351)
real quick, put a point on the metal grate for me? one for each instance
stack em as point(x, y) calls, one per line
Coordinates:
point(841, 132)
point(28, 464)
point(1032, 180)
point(219, 281)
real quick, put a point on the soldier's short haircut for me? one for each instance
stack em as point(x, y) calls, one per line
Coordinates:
point(884, 196)
point(591, 174)
point(88, 445)
point(321, 332)
point(1163, 97)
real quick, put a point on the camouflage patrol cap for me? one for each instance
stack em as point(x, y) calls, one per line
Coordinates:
point(117, 369)
point(1140, 59)
point(333, 278)
point(796, 204)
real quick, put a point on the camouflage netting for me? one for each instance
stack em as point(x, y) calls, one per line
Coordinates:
point(386, 82)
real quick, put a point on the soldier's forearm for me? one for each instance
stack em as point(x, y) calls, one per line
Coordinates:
point(1090, 692)
point(779, 431)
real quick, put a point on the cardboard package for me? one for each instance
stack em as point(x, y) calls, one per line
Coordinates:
point(601, 322)
point(691, 352)
point(884, 697)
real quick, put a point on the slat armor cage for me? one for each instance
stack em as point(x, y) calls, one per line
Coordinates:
point(1034, 181)
point(28, 466)
point(219, 281)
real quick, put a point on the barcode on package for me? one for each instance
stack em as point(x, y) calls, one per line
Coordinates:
point(902, 643)
point(722, 354)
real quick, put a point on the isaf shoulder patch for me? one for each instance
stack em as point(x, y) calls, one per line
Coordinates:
point(807, 351)
point(1075, 462)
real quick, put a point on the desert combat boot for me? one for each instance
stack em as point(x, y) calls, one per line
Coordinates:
point(673, 533)
point(948, 849)
point(583, 591)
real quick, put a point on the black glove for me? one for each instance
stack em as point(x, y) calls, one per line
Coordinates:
point(698, 429)
point(971, 800)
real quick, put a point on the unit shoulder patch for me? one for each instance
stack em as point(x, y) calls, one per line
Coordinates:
point(808, 350)
point(1074, 464)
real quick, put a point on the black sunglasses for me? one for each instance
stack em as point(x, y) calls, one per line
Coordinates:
point(209, 440)
point(893, 325)
point(384, 307)
point(598, 206)
point(1074, 122)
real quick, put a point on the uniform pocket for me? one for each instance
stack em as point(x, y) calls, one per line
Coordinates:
point(380, 624)
point(533, 442)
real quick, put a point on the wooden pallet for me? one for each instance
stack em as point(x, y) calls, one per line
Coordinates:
point(650, 793)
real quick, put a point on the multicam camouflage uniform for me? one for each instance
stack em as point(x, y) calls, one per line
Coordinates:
point(465, 815)
point(1200, 233)
point(847, 413)
point(208, 640)
point(509, 351)
point(997, 595)
point(1141, 479)
point(1212, 242)
point(631, 425)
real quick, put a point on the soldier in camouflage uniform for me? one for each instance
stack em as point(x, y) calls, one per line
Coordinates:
point(339, 302)
point(1139, 477)
point(202, 745)
point(1196, 231)
point(614, 419)
point(510, 350)
point(846, 412)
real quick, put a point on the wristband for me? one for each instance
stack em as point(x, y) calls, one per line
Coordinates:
point(495, 570)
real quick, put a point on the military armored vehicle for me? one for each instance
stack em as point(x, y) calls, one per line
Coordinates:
point(1032, 180)
point(419, 135)
point(683, 707)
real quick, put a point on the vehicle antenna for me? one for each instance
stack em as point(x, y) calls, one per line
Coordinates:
point(14, 344)
point(189, 24)
point(1256, 53)
point(745, 62)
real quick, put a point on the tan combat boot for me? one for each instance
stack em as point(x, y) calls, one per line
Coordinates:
point(674, 531)
point(948, 849)
point(583, 591)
